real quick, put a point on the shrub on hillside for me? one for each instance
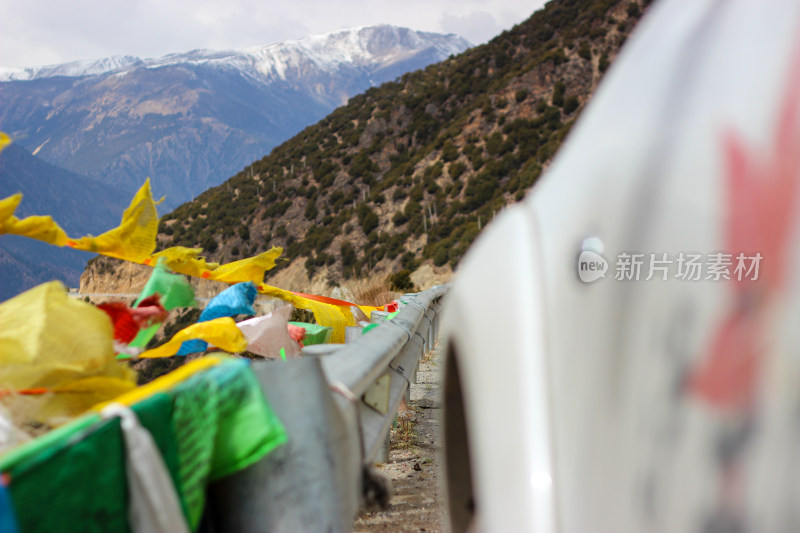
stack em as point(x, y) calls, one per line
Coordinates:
point(401, 282)
point(409, 261)
point(455, 169)
point(399, 218)
point(449, 152)
point(585, 51)
point(367, 218)
point(571, 104)
point(558, 94)
point(208, 244)
point(603, 63)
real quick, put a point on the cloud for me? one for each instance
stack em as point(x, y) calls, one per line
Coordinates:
point(475, 26)
point(37, 32)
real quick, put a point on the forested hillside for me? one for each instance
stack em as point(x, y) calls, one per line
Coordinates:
point(409, 172)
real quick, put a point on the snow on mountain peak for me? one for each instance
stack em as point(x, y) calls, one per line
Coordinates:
point(356, 46)
point(72, 69)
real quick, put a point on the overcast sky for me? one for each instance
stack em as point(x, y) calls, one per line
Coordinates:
point(40, 32)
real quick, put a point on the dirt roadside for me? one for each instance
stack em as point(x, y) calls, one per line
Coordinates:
point(416, 504)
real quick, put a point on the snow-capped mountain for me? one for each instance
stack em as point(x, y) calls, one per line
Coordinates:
point(190, 120)
point(363, 46)
point(72, 69)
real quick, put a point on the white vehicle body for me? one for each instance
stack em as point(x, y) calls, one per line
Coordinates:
point(633, 405)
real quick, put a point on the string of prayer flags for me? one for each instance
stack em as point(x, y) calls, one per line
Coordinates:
point(128, 320)
point(208, 419)
point(325, 314)
point(366, 309)
point(184, 260)
point(235, 300)
point(329, 312)
point(174, 290)
point(268, 335)
point(188, 261)
point(135, 238)
point(221, 332)
point(249, 269)
point(314, 333)
point(41, 228)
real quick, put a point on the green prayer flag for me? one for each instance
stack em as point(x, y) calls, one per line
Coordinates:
point(175, 292)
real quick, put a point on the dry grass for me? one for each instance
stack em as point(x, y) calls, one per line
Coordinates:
point(371, 291)
point(404, 435)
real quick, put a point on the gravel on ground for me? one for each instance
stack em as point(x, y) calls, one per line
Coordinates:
point(416, 503)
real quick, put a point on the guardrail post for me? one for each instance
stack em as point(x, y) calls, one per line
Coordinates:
point(430, 316)
point(337, 404)
point(313, 483)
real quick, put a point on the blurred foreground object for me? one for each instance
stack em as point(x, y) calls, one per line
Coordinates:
point(64, 346)
point(647, 377)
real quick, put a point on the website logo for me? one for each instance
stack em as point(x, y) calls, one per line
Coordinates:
point(591, 266)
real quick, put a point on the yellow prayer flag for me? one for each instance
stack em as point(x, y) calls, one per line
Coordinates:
point(250, 269)
point(184, 261)
point(42, 228)
point(135, 238)
point(337, 317)
point(165, 382)
point(76, 397)
point(5, 140)
point(8, 206)
point(368, 309)
point(48, 339)
point(221, 332)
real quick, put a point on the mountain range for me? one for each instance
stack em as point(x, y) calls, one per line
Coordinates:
point(407, 174)
point(79, 204)
point(190, 120)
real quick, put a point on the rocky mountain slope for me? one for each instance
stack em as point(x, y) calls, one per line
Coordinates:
point(408, 173)
point(190, 120)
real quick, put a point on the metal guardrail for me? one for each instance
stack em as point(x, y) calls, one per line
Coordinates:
point(337, 407)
